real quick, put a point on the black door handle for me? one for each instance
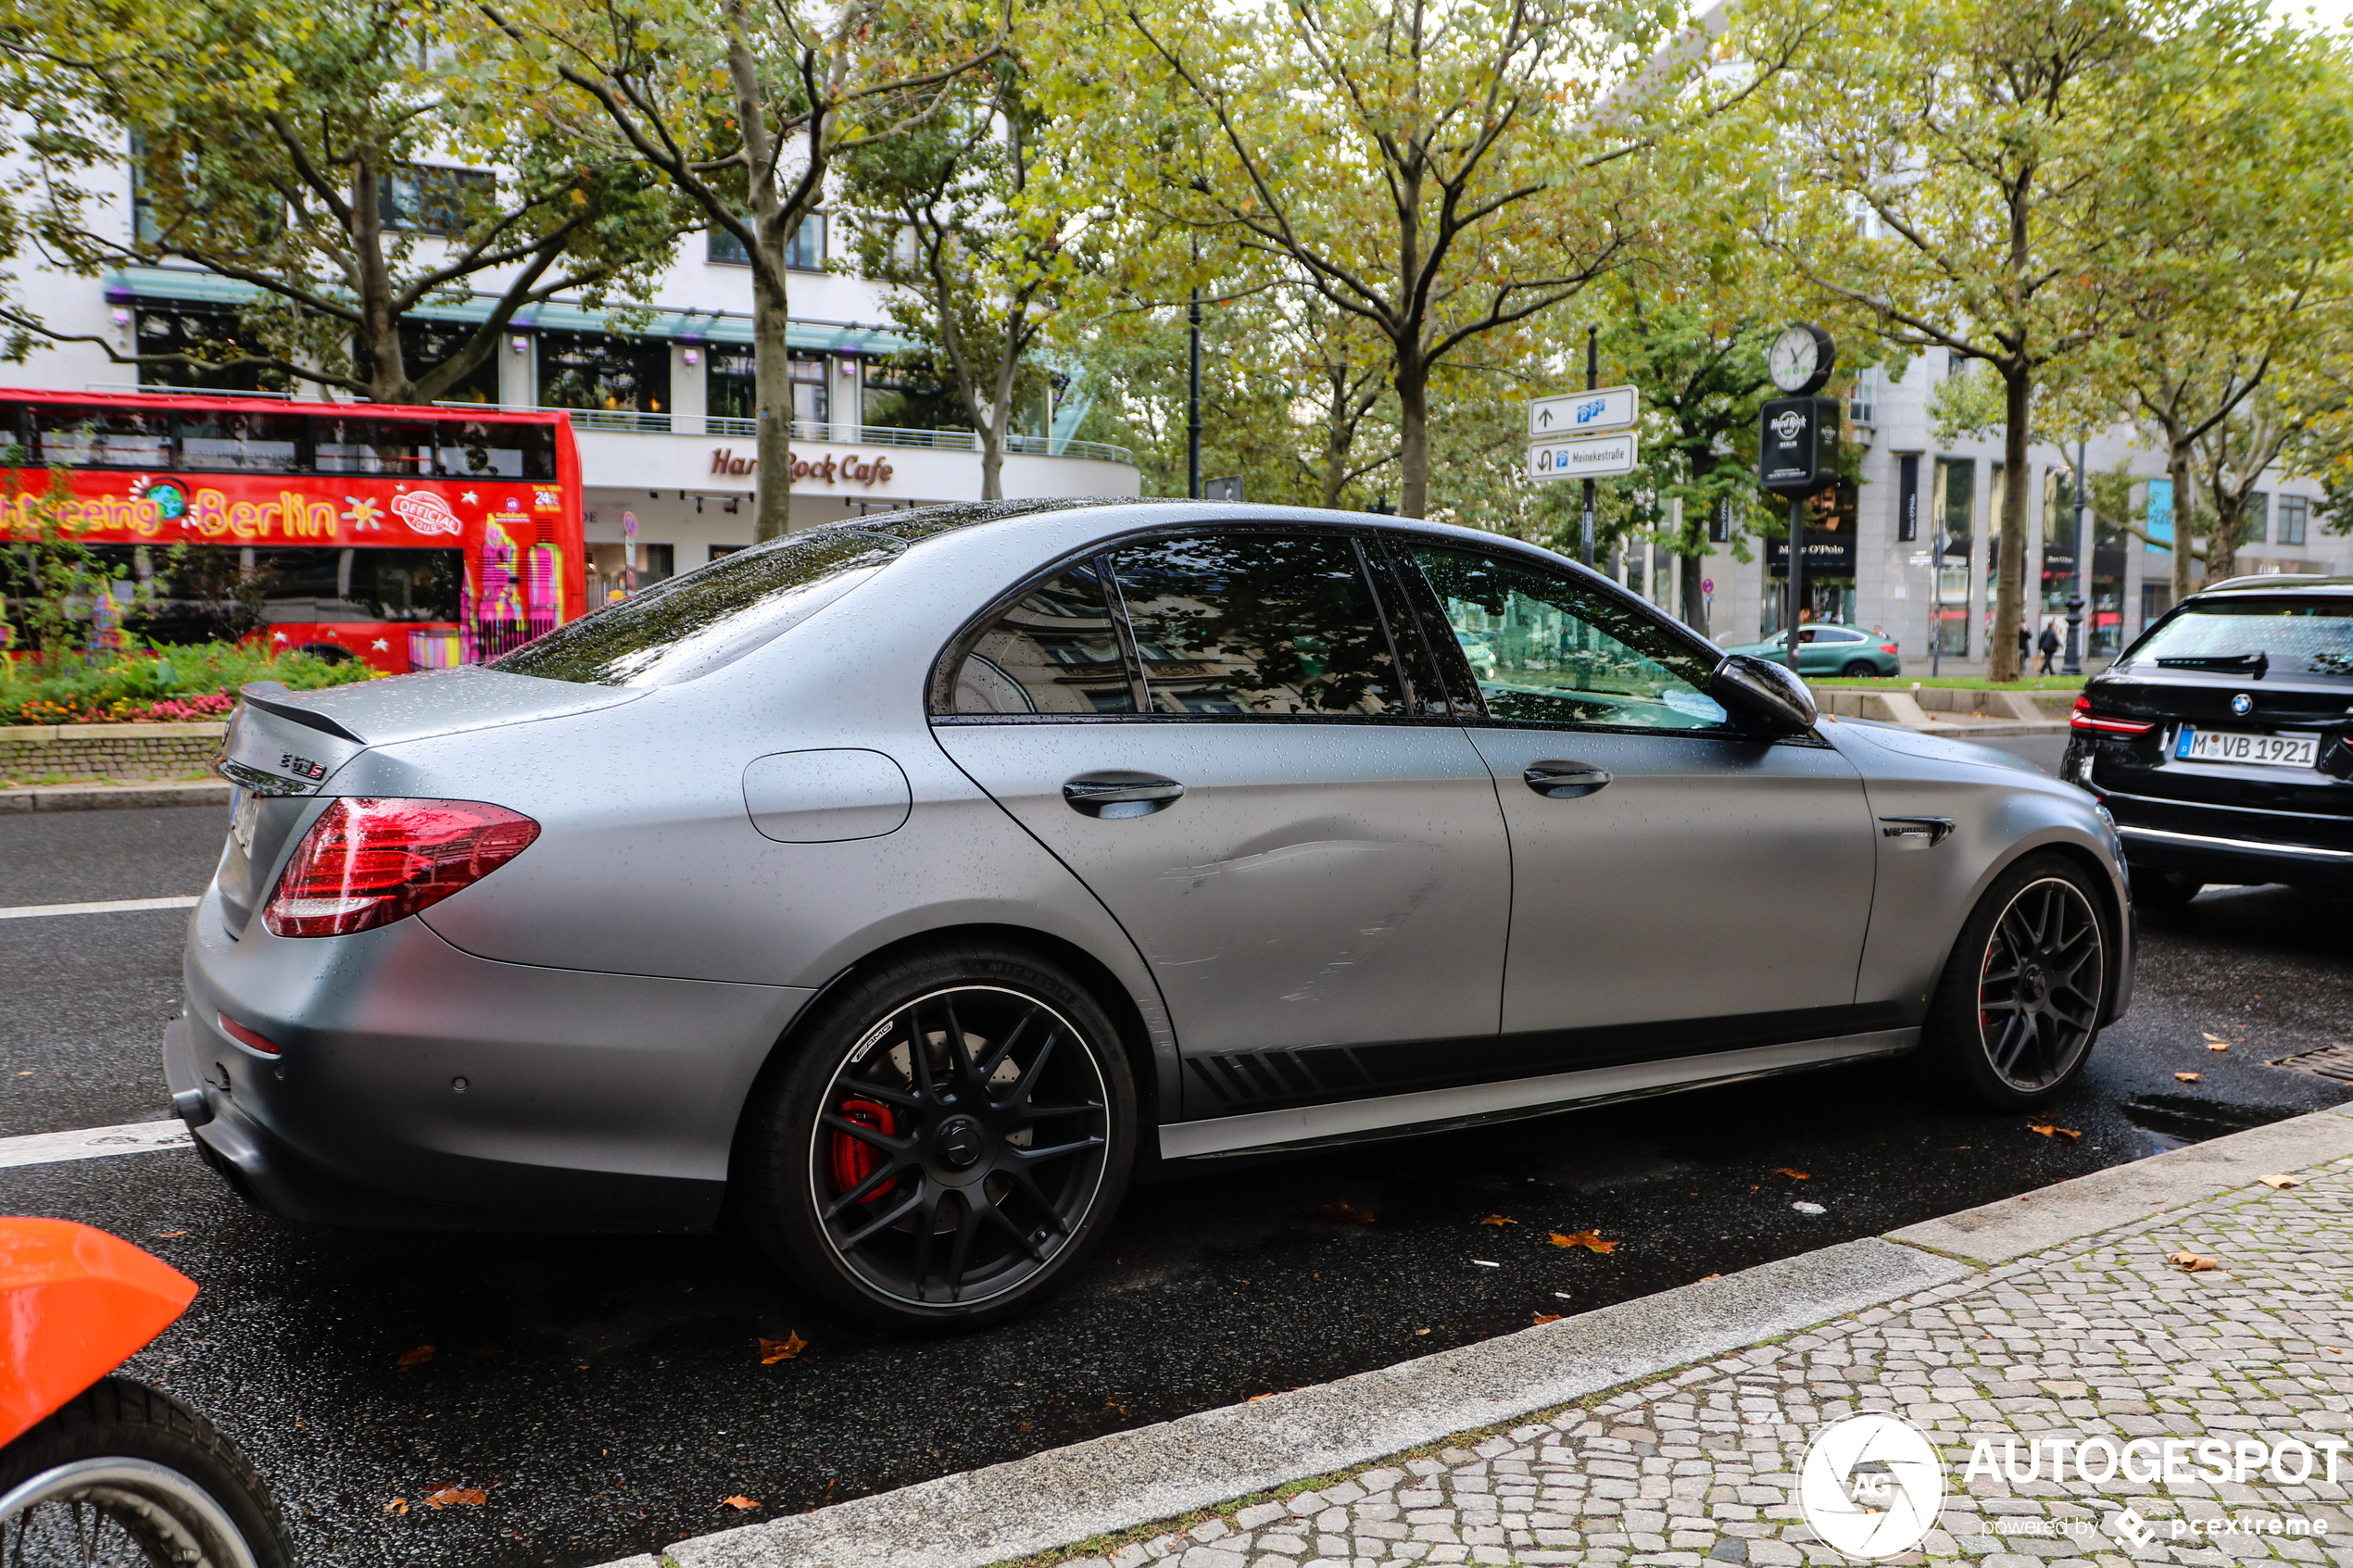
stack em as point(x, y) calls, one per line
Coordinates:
point(1565, 781)
point(1114, 794)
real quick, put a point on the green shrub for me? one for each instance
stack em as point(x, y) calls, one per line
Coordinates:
point(158, 682)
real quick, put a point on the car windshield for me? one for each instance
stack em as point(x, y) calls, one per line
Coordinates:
point(2292, 635)
point(693, 625)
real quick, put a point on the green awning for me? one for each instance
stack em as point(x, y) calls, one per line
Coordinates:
point(192, 286)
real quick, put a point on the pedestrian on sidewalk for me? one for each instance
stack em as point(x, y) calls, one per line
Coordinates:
point(2049, 644)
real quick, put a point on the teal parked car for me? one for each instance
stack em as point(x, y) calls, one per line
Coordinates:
point(1831, 649)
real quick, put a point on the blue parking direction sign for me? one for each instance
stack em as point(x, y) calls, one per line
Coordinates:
point(1581, 413)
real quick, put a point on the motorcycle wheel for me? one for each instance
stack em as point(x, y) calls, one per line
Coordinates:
point(124, 1476)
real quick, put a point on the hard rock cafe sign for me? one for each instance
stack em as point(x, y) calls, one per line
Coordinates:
point(847, 469)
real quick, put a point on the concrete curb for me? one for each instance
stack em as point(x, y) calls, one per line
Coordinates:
point(1155, 1473)
point(113, 798)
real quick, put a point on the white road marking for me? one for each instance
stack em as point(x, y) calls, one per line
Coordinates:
point(112, 906)
point(94, 1143)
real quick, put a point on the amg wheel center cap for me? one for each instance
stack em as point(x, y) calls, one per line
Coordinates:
point(959, 1143)
point(2036, 986)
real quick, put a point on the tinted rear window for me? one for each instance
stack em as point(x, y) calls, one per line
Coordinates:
point(2298, 635)
point(691, 625)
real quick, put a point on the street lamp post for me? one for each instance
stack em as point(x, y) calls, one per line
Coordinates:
point(2077, 595)
point(1192, 401)
point(1592, 380)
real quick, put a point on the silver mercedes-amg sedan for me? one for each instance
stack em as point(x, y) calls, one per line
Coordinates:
point(910, 885)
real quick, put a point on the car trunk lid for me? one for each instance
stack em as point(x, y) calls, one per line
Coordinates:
point(282, 746)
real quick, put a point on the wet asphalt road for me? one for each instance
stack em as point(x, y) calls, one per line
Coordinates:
point(608, 1393)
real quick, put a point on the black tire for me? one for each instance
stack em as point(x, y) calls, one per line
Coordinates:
point(2017, 1009)
point(1860, 670)
point(149, 1474)
point(956, 1198)
point(2155, 889)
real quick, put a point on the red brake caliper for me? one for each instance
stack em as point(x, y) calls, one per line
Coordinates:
point(854, 1158)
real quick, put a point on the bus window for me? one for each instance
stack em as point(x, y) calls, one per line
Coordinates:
point(261, 440)
point(496, 449)
point(95, 436)
point(330, 586)
point(364, 446)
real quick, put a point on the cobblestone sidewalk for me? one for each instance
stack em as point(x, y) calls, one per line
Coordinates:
point(2100, 1336)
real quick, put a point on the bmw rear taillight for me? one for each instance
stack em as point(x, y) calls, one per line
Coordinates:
point(2083, 718)
point(1887, 647)
point(368, 862)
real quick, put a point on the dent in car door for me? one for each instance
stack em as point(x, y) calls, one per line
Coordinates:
point(1699, 890)
point(1307, 867)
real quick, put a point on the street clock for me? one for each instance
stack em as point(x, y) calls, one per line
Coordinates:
point(1801, 359)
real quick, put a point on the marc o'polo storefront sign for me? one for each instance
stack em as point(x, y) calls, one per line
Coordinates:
point(849, 469)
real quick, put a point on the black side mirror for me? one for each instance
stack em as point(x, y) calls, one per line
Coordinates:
point(1761, 693)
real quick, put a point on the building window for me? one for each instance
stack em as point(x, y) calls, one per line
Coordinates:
point(909, 398)
point(731, 389)
point(811, 392)
point(2293, 512)
point(2255, 527)
point(203, 332)
point(424, 344)
point(1862, 406)
point(805, 254)
point(621, 376)
point(428, 199)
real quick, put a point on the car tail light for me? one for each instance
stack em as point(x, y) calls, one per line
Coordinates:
point(1887, 647)
point(2083, 720)
point(369, 862)
point(246, 1036)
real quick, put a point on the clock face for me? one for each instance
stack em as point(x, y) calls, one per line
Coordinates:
point(1795, 355)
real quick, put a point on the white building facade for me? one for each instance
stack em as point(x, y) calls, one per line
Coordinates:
point(661, 407)
point(1920, 502)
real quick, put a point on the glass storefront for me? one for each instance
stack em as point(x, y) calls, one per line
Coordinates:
point(1953, 509)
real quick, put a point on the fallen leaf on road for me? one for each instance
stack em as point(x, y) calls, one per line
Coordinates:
point(741, 1504)
point(2280, 1181)
point(1548, 1317)
point(398, 1505)
point(1485, 1263)
point(1586, 1239)
point(1809, 1208)
point(1792, 1175)
point(2188, 1077)
point(1337, 1214)
point(1497, 1220)
point(2191, 1262)
point(2048, 1131)
point(785, 1350)
point(2210, 1034)
point(166, 1235)
point(1707, 1277)
point(2218, 1046)
point(1421, 1331)
point(452, 1497)
point(417, 1357)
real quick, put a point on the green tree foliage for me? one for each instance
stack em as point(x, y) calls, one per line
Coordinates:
point(329, 155)
point(1992, 178)
point(1440, 173)
point(744, 108)
point(975, 217)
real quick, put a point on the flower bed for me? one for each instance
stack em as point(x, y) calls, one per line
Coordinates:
point(159, 685)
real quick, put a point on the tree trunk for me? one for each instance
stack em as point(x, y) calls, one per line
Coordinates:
point(377, 336)
point(1412, 435)
point(2223, 545)
point(772, 379)
point(992, 461)
point(2009, 590)
point(2177, 469)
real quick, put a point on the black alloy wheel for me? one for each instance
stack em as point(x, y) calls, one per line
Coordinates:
point(2018, 1006)
point(1859, 670)
point(958, 1139)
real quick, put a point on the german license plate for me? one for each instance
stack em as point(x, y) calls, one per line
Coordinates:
point(2237, 746)
point(242, 820)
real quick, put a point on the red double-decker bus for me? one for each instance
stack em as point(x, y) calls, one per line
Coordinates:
point(413, 538)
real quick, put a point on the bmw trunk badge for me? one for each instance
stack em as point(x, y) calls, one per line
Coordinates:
point(2242, 705)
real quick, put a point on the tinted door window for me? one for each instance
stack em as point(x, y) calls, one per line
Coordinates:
point(1258, 625)
point(1055, 651)
point(1547, 649)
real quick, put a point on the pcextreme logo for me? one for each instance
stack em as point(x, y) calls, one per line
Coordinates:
point(1872, 1486)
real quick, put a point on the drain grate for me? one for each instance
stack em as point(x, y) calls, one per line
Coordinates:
point(2332, 1060)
